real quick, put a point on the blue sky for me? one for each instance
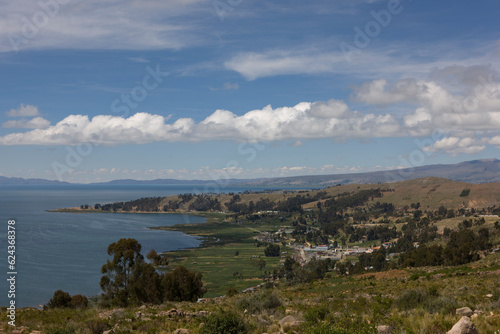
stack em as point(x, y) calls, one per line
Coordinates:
point(100, 90)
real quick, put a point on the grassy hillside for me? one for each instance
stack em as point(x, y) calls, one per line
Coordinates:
point(430, 192)
point(420, 300)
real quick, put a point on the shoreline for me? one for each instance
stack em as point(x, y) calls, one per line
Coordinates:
point(190, 213)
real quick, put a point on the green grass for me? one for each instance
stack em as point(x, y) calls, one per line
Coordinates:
point(217, 259)
point(425, 303)
point(219, 265)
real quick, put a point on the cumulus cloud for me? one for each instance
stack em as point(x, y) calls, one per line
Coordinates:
point(304, 121)
point(35, 123)
point(469, 120)
point(456, 145)
point(23, 111)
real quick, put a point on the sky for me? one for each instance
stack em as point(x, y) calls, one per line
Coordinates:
point(99, 90)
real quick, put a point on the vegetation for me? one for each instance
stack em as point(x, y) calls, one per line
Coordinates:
point(128, 280)
point(404, 255)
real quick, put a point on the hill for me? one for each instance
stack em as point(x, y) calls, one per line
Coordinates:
point(476, 171)
point(430, 192)
point(18, 181)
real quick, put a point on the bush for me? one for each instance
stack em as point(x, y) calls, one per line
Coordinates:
point(411, 299)
point(354, 326)
point(60, 299)
point(272, 250)
point(231, 292)
point(315, 314)
point(259, 302)
point(223, 322)
point(97, 326)
point(60, 330)
point(79, 301)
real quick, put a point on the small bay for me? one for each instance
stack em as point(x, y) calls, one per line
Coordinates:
point(66, 250)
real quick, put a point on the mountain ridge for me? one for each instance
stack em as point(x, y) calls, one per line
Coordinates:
point(474, 171)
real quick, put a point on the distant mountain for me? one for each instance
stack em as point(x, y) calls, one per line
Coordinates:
point(18, 181)
point(175, 182)
point(476, 171)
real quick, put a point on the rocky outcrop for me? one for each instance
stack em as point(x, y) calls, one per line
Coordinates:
point(288, 322)
point(182, 331)
point(384, 329)
point(464, 311)
point(463, 326)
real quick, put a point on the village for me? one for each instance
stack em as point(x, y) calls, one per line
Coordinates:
point(303, 253)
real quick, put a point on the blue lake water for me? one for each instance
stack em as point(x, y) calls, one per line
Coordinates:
point(66, 250)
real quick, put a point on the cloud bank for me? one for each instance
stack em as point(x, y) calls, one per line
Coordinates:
point(466, 115)
point(331, 119)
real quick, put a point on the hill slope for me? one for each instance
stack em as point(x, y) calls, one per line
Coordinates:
point(476, 171)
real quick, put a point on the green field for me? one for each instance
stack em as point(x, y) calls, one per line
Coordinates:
point(217, 260)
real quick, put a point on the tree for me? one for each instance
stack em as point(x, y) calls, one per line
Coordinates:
point(79, 301)
point(117, 272)
point(60, 299)
point(183, 284)
point(129, 280)
point(157, 259)
point(272, 250)
point(261, 264)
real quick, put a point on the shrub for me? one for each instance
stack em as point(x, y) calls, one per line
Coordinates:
point(315, 314)
point(223, 322)
point(60, 330)
point(411, 299)
point(97, 326)
point(259, 302)
point(79, 301)
point(60, 299)
point(272, 250)
point(345, 326)
point(231, 292)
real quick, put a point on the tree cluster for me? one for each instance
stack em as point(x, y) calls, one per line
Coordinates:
point(129, 280)
point(62, 299)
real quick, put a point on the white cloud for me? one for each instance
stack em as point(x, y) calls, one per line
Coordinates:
point(35, 123)
point(93, 24)
point(23, 111)
point(297, 143)
point(456, 145)
point(468, 118)
point(217, 175)
point(278, 62)
point(495, 141)
point(326, 57)
point(376, 92)
point(267, 124)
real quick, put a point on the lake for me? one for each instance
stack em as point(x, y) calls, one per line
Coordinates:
point(66, 250)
